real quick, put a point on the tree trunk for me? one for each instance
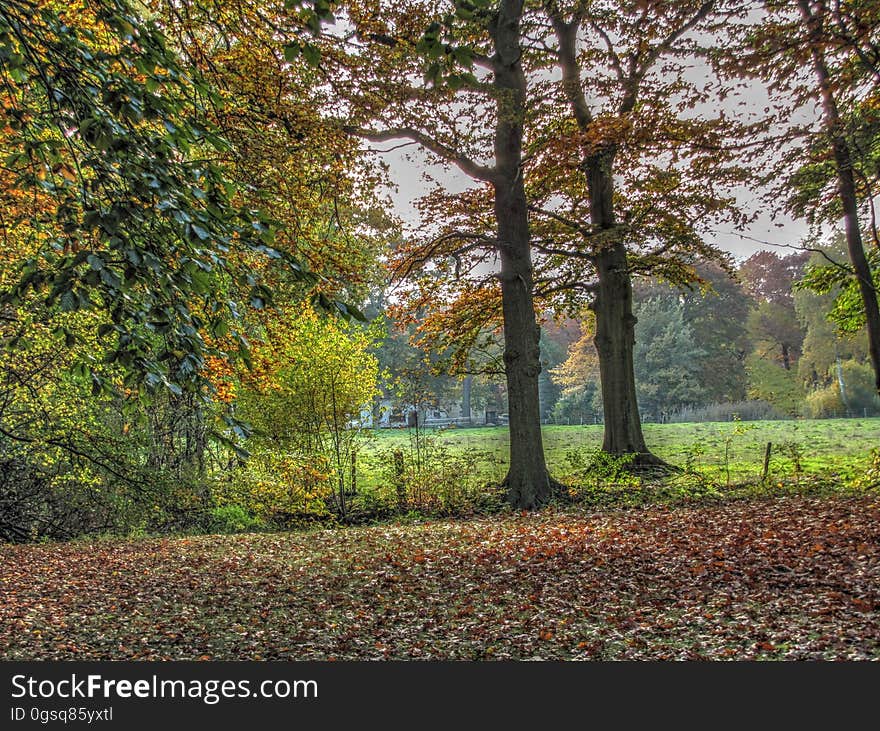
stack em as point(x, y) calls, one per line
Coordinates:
point(846, 188)
point(615, 323)
point(613, 304)
point(528, 482)
point(786, 357)
point(614, 340)
point(466, 387)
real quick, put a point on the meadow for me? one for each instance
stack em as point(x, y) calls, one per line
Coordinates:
point(727, 453)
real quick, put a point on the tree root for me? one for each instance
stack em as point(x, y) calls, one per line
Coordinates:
point(646, 464)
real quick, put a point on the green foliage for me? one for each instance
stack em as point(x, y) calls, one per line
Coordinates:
point(869, 479)
point(861, 399)
point(276, 487)
point(599, 478)
point(436, 480)
point(312, 378)
point(98, 465)
point(861, 396)
point(232, 518)
point(602, 467)
point(847, 309)
point(775, 385)
point(692, 485)
point(581, 405)
point(824, 403)
point(109, 133)
point(717, 313)
point(795, 452)
point(666, 358)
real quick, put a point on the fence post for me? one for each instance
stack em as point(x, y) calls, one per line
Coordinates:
point(766, 462)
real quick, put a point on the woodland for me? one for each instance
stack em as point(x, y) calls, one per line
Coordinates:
point(540, 411)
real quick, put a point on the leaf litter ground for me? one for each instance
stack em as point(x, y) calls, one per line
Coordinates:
point(786, 578)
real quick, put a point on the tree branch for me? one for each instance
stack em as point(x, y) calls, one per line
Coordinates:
point(468, 166)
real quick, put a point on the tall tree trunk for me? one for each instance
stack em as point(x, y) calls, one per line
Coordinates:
point(528, 482)
point(615, 321)
point(466, 387)
point(846, 188)
point(615, 324)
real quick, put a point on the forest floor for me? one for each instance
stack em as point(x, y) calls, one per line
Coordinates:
point(788, 577)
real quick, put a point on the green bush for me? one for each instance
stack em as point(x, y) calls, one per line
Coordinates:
point(772, 383)
point(861, 398)
point(824, 403)
point(232, 519)
point(429, 479)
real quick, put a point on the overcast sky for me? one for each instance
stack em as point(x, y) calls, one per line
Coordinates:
point(408, 166)
point(408, 176)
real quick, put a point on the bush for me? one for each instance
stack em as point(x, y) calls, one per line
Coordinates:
point(861, 398)
point(752, 410)
point(429, 479)
point(824, 403)
point(232, 519)
point(772, 383)
point(578, 406)
point(311, 381)
point(57, 496)
point(276, 487)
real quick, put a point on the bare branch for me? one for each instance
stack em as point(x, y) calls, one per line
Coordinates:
point(468, 166)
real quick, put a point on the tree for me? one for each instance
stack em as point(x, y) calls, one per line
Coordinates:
point(773, 323)
point(835, 353)
point(667, 358)
point(578, 378)
point(715, 308)
point(627, 176)
point(590, 232)
point(290, 160)
point(488, 35)
point(768, 277)
point(311, 381)
point(129, 216)
point(835, 41)
point(717, 311)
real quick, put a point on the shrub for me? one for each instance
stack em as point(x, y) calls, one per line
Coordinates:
point(232, 519)
point(861, 398)
point(312, 377)
point(429, 479)
point(751, 410)
point(772, 383)
point(824, 403)
point(276, 487)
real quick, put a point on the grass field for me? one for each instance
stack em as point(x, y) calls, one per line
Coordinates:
point(834, 448)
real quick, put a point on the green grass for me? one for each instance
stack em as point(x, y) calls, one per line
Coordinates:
point(837, 448)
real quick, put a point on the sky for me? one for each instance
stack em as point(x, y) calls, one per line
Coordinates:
point(408, 166)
